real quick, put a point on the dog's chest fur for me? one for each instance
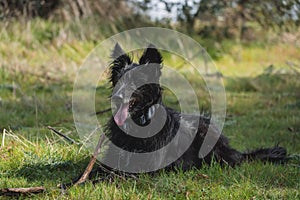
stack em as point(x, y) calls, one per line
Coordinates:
point(191, 135)
point(184, 134)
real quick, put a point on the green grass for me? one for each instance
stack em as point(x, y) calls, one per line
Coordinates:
point(36, 79)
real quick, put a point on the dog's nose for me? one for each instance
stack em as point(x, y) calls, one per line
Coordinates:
point(116, 102)
point(117, 98)
point(118, 94)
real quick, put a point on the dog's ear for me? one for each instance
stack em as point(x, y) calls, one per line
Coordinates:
point(121, 59)
point(151, 55)
point(117, 52)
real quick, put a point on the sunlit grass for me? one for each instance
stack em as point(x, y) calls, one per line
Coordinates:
point(252, 61)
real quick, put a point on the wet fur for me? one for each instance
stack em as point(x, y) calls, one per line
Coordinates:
point(151, 94)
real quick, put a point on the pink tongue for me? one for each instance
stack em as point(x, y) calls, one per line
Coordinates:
point(122, 114)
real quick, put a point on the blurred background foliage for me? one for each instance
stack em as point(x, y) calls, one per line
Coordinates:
point(211, 22)
point(216, 18)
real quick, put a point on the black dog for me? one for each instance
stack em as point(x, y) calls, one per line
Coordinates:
point(143, 104)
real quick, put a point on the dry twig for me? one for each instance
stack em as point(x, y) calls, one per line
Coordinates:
point(101, 111)
point(21, 191)
point(90, 166)
point(62, 135)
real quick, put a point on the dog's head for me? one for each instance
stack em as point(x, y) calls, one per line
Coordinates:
point(136, 86)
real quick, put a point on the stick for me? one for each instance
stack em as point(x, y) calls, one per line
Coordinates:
point(90, 166)
point(62, 135)
point(102, 111)
point(19, 191)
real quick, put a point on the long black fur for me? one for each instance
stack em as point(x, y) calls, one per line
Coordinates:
point(148, 95)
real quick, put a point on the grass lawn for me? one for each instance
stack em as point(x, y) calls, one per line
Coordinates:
point(36, 79)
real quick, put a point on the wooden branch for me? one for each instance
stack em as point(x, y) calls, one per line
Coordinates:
point(90, 166)
point(21, 191)
point(62, 135)
point(102, 111)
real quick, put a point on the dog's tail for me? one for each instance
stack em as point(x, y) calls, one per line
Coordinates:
point(275, 154)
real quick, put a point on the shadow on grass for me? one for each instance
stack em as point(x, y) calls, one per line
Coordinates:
point(63, 171)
